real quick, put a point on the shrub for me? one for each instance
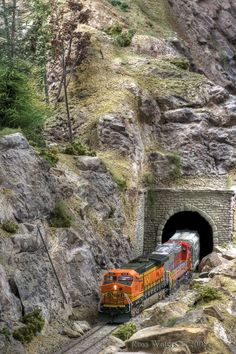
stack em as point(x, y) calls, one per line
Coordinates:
point(121, 4)
point(125, 38)
point(79, 149)
point(148, 179)
point(171, 322)
point(125, 331)
point(119, 180)
point(122, 37)
point(49, 156)
point(34, 323)
point(206, 293)
point(175, 161)
point(61, 216)
point(5, 332)
point(181, 63)
point(10, 226)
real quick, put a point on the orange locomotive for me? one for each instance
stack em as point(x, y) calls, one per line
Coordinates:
point(145, 280)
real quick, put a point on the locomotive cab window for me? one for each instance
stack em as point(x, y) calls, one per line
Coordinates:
point(109, 279)
point(125, 280)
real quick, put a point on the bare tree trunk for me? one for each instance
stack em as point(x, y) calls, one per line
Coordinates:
point(45, 84)
point(66, 95)
point(7, 27)
point(13, 29)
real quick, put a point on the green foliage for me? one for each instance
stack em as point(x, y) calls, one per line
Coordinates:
point(121, 4)
point(50, 156)
point(5, 332)
point(10, 226)
point(79, 149)
point(34, 323)
point(61, 216)
point(125, 331)
point(8, 131)
point(181, 63)
point(119, 180)
point(19, 107)
point(175, 160)
point(148, 179)
point(171, 321)
point(121, 36)
point(206, 293)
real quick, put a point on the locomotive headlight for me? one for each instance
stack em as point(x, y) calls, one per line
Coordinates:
point(115, 287)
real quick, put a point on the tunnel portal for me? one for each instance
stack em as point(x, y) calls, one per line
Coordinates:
point(189, 220)
point(209, 211)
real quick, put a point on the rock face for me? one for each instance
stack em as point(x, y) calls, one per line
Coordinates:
point(27, 188)
point(209, 29)
point(80, 254)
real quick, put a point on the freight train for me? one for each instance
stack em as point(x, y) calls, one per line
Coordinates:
point(143, 281)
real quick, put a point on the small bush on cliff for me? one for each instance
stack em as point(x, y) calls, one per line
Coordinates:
point(121, 36)
point(50, 156)
point(5, 331)
point(61, 216)
point(34, 323)
point(206, 293)
point(121, 4)
point(10, 226)
point(79, 149)
point(125, 331)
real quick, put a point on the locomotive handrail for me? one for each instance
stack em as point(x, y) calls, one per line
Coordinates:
point(129, 302)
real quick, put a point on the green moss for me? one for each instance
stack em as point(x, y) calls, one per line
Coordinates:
point(9, 226)
point(125, 331)
point(34, 323)
point(61, 216)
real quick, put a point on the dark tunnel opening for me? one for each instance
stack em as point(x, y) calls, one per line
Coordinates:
point(191, 221)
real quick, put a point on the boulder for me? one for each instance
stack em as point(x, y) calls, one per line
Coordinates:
point(88, 163)
point(210, 261)
point(81, 326)
point(226, 269)
point(153, 46)
point(164, 313)
point(156, 338)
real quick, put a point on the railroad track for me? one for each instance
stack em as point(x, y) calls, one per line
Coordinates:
point(91, 342)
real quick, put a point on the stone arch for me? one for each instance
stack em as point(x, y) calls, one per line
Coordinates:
point(186, 208)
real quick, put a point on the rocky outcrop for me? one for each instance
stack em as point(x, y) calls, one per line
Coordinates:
point(80, 253)
point(209, 30)
point(208, 306)
point(27, 188)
